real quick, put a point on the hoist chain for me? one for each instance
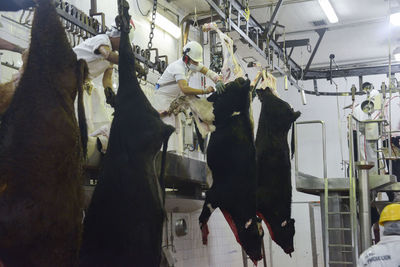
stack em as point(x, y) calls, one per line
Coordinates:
point(151, 35)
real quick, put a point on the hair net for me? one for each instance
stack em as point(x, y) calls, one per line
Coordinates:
point(392, 228)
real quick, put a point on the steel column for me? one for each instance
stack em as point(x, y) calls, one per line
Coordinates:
point(365, 207)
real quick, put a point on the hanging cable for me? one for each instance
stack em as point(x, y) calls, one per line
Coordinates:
point(141, 12)
point(339, 128)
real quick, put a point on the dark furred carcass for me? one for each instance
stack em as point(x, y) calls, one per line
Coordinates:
point(274, 192)
point(123, 225)
point(14, 5)
point(41, 153)
point(231, 158)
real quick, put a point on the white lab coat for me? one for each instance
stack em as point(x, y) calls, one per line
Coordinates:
point(98, 113)
point(384, 254)
point(169, 90)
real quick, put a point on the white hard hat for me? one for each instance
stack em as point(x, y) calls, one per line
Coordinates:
point(194, 51)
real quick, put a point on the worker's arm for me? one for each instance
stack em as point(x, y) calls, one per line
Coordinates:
point(210, 74)
point(217, 79)
point(107, 77)
point(108, 54)
point(187, 90)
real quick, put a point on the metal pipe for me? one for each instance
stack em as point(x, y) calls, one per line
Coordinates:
point(271, 20)
point(342, 26)
point(275, 3)
point(352, 191)
point(364, 206)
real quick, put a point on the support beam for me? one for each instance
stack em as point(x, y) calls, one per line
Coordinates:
point(286, 2)
point(294, 43)
point(271, 20)
point(321, 34)
point(354, 72)
point(292, 65)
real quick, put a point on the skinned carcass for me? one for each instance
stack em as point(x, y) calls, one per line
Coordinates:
point(231, 158)
point(41, 153)
point(15, 5)
point(230, 68)
point(274, 192)
point(123, 225)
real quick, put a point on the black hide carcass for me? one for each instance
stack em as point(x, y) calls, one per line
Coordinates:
point(231, 158)
point(15, 5)
point(41, 153)
point(123, 225)
point(274, 192)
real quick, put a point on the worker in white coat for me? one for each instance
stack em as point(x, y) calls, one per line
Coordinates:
point(174, 83)
point(369, 109)
point(387, 252)
point(100, 53)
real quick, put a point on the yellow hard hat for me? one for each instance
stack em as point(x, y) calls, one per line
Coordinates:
point(390, 213)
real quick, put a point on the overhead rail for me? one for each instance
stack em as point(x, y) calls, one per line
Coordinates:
point(261, 40)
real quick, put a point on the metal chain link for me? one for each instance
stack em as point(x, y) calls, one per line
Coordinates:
point(151, 35)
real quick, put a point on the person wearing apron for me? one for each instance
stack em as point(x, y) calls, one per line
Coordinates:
point(174, 83)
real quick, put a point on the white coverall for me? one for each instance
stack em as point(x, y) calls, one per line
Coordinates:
point(98, 113)
point(168, 91)
point(384, 254)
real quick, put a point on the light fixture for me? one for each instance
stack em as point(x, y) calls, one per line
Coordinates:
point(167, 25)
point(328, 10)
point(395, 18)
point(396, 53)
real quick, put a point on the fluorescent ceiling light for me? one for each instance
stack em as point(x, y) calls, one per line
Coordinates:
point(395, 19)
point(167, 25)
point(328, 10)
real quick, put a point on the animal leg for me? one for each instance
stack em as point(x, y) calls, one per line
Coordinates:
point(203, 219)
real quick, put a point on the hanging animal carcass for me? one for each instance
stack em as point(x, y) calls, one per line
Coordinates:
point(123, 225)
point(274, 192)
point(41, 153)
point(231, 158)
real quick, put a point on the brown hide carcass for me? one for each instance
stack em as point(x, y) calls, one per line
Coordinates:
point(123, 224)
point(6, 93)
point(7, 89)
point(41, 153)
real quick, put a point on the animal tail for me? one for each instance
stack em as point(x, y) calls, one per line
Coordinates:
point(168, 132)
point(81, 107)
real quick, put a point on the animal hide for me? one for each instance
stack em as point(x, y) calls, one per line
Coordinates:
point(274, 192)
point(231, 158)
point(230, 68)
point(41, 153)
point(123, 225)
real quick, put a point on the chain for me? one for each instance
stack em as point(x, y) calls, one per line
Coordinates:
point(151, 35)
